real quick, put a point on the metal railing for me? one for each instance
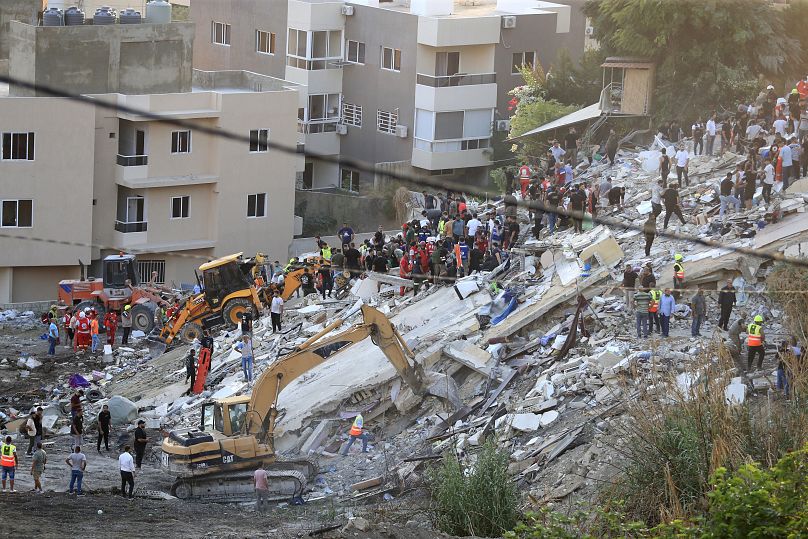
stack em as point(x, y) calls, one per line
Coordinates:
point(134, 226)
point(460, 79)
point(133, 160)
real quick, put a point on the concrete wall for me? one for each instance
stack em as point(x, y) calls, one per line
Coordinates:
point(245, 17)
point(129, 59)
point(323, 213)
point(40, 283)
point(26, 11)
point(373, 88)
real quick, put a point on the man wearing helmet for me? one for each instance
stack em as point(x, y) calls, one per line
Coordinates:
point(755, 343)
point(126, 324)
point(678, 272)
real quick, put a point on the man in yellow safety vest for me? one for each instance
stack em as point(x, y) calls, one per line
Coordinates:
point(8, 460)
point(678, 272)
point(755, 343)
point(357, 432)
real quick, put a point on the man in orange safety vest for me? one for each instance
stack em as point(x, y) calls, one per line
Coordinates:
point(357, 432)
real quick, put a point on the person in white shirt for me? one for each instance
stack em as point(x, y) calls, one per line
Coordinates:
point(753, 130)
point(785, 154)
point(682, 163)
point(557, 151)
point(768, 180)
point(127, 465)
point(275, 311)
point(779, 126)
point(710, 135)
point(473, 225)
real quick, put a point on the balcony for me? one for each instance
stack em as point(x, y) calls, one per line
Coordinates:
point(460, 79)
point(129, 227)
point(133, 160)
point(456, 153)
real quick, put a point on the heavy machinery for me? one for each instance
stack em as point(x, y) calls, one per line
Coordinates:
point(228, 292)
point(235, 435)
point(118, 287)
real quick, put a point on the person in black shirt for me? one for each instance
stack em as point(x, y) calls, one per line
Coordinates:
point(104, 420)
point(577, 201)
point(552, 203)
point(140, 442)
point(328, 281)
point(352, 258)
point(378, 238)
point(629, 283)
point(190, 370)
point(475, 260)
point(380, 264)
point(206, 341)
point(726, 197)
point(670, 197)
point(307, 282)
point(726, 300)
point(571, 146)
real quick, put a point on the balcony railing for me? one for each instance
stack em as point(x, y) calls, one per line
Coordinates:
point(461, 79)
point(454, 145)
point(133, 160)
point(133, 226)
point(317, 126)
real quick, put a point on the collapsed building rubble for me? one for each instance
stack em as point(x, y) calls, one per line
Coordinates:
point(542, 349)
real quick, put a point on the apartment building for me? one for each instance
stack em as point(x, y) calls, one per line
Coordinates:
point(408, 85)
point(83, 182)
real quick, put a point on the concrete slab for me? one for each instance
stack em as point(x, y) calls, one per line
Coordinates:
point(471, 356)
point(526, 422)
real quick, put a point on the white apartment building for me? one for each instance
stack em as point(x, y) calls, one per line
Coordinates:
point(83, 182)
point(408, 85)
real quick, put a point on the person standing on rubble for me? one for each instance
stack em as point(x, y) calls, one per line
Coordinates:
point(141, 438)
point(261, 484)
point(755, 343)
point(653, 312)
point(77, 462)
point(726, 300)
point(642, 300)
point(698, 309)
point(629, 285)
point(664, 166)
point(682, 165)
point(94, 331)
point(245, 347)
point(577, 203)
point(8, 462)
point(190, 369)
point(678, 272)
point(649, 229)
point(711, 132)
point(77, 428)
point(126, 464)
point(38, 461)
point(104, 421)
point(612, 144)
point(672, 205)
point(126, 324)
point(357, 432)
point(276, 310)
point(111, 325)
point(667, 304)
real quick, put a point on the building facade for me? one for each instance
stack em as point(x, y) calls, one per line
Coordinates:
point(79, 182)
point(407, 85)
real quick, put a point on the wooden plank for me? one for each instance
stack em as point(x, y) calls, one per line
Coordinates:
point(368, 483)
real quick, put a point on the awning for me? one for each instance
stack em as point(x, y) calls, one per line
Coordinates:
point(582, 115)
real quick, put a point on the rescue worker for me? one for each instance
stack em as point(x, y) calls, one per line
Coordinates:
point(94, 331)
point(755, 343)
point(111, 325)
point(524, 180)
point(653, 312)
point(325, 252)
point(82, 332)
point(126, 324)
point(678, 272)
point(357, 432)
point(8, 461)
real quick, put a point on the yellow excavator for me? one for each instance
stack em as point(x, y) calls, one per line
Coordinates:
point(235, 435)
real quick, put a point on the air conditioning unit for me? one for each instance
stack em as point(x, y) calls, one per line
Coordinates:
point(590, 31)
point(342, 129)
point(347, 10)
point(401, 131)
point(503, 125)
point(509, 21)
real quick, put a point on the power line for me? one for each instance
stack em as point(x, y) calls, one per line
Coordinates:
point(420, 180)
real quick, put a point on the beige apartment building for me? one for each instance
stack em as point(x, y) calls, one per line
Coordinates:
point(408, 85)
point(83, 182)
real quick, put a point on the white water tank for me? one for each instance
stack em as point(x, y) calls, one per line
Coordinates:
point(431, 8)
point(158, 12)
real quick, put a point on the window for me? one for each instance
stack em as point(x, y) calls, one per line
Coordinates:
point(447, 64)
point(259, 140)
point(352, 114)
point(391, 59)
point(349, 180)
point(453, 131)
point(180, 207)
point(442, 172)
point(18, 146)
point(257, 205)
point(386, 122)
point(521, 60)
point(181, 142)
point(220, 33)
point(264, 42)
point(312, 50)
point(145, 268)
point(355, 52)
point(17, 214)
point(323, 107)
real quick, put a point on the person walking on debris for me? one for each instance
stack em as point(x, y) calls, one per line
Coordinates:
point(38, 462)
point(275, 311)
point(784, 356)
point(577, 203)
point(667, 304)
point(629, 284)
point(726, 197)
point(664, 166)
point(104, 421)
point(245, 347)
point(261, 483)
point(649, 230)
point(642, 300)
point(77, 462)
point(68, 316)
point(8, 461)
point(53, 335)
point(77, 428)
point(612, 144)
point(726, 300)
point(682, 165)
point(126, 324)
point(653, 312)
point(127, 466)
point(698, 309)
point(190, 369)
point(755, 343)
point(647, 277)
point(30, 431)
point(678, 272)
point(82, 332)
point(94, 331)
point(141, 438)
point(357, 432)
point(671, 199)
point(75, 403)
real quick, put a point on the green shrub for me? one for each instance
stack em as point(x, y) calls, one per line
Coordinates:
point(481, 501)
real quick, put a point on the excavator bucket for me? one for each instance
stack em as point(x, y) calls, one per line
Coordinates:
point(443, 387)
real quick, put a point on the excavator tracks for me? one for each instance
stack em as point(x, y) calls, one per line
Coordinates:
point(233, 487)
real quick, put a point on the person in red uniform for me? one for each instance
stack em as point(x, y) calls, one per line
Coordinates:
point(404, 270)
point(82, 332)
point(524, 179)
point(111, 324)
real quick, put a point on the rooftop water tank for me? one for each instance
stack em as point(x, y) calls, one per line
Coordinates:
point(104, 15)
point(74, 17)
point(158, 12)
point(129, 16)
point(53, 17)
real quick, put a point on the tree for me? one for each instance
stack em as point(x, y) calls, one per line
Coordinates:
point(572, 84)
point(708, 52)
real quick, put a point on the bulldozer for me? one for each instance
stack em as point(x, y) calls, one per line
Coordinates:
point(216, 461)
point(118, 287)
point(228, 292)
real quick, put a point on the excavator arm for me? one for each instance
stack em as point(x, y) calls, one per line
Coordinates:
point(263, 404)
